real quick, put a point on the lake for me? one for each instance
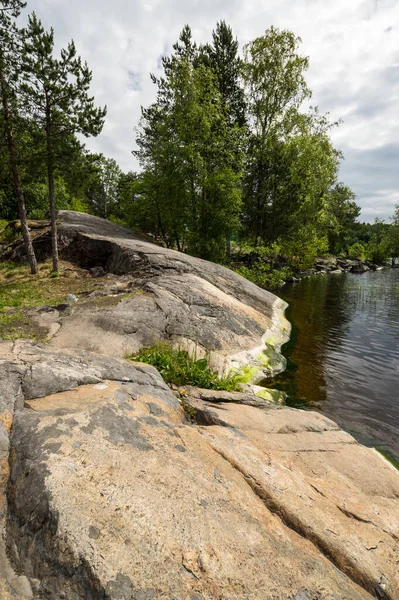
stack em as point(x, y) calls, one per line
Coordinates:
point(343, 356)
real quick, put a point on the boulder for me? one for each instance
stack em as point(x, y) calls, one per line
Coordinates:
point(117, 491)
point(192, 303)
point(326, 262)
point(360, 267)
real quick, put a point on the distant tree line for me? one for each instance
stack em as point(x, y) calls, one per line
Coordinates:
point(231, 154)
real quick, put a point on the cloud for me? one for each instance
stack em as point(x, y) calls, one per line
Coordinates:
point(354, 70)
point(134, 81)
point(374, 178)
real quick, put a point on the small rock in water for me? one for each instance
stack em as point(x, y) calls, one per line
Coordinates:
point(71, 298)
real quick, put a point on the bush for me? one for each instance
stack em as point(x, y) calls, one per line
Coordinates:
point(177, 367)
point(378, 252)
point(38, 214)
point(78, 205)
point(3, 225)
point(302, 253)
point(8, 232)
point(357, 250)
point(263, 265)
point(261, 275)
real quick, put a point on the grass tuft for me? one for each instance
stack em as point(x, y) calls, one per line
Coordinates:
point(177, 367)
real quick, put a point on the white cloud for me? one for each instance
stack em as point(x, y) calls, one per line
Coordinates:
point(354, 70)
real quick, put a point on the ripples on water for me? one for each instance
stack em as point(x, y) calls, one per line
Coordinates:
point(343, 357)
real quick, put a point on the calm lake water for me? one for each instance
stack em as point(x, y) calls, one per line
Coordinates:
point(343, 356)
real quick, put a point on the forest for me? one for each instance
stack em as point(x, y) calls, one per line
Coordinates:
point(234, 163)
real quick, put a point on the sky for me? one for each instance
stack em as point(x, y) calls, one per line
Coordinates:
point(353, 47)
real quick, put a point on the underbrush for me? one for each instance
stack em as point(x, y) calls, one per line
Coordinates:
point(263, 277)
point(178, 368)
point(7, 232)
point(266, 266)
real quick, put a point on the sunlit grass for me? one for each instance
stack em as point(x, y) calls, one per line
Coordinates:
point(177, 367)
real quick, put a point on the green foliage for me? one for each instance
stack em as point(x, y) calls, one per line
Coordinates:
point(3, 225)
point(55, 91)
point(376, 242)
point(36, 195)
point(261, 275)
point(263, 265)
point(192, 155)
point(392, 235)
point(290, 189)
point(378, 251)
point(343, 212)
point(8, 233)
point(177, 367)
point(357, 251)
point(271, 266)
point(226, 63)
point(227, 152)
point(302, 251)
point(104, 191)
point(78, 205)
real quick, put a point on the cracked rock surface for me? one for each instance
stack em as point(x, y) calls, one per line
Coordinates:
point(112, 493)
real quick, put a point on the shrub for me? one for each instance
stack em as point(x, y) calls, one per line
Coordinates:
point(378, 252)
point(261, 275)
point(177, 367)
point(8, 232)
point(357, 250)
point(303, 251)
point(38, 214)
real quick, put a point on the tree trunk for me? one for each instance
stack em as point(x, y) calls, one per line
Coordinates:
point(30, 253)
point(50, 177)
point(228, 247)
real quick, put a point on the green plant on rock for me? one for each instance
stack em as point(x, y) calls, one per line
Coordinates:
point(178, 367)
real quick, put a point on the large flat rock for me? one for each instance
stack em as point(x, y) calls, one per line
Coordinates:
point(335, 492)
point(195, 304)
point(114, 494)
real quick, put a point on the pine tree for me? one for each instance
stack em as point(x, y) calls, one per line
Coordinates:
point(226, 64)
point(56, 97)
point(10, 40)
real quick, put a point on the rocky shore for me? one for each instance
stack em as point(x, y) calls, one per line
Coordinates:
point(323, 266)
point(113, 486)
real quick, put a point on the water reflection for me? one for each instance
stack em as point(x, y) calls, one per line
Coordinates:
point(344, 352)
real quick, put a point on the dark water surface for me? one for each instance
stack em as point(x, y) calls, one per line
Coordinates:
point(343, 356)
